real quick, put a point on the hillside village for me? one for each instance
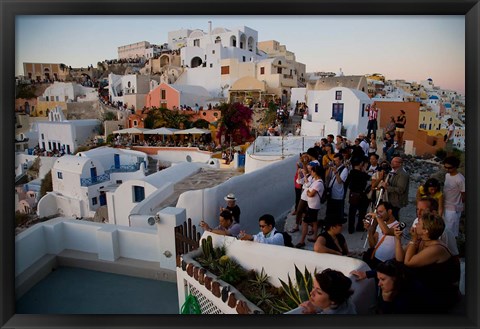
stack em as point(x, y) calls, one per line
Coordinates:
point(61, 110)
point(165, 131)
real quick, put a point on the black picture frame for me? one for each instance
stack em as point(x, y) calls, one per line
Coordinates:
point(11, 8)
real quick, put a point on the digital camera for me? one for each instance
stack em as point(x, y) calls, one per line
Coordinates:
point(401, 226)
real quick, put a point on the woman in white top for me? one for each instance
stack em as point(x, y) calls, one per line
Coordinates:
point(313, 192)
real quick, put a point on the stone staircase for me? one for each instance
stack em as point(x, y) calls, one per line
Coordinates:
point(297, 118)
point(152, 165)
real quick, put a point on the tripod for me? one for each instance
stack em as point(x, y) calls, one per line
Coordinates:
point(377, 201)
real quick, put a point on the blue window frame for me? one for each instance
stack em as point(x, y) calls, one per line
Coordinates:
point(138, 193)
point(338, 95)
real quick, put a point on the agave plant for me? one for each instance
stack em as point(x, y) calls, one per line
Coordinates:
point(261, 278)
point(296, 293)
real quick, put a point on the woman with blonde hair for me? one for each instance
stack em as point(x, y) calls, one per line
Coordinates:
point(433, 268)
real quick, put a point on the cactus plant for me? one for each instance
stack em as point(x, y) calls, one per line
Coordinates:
point(298, 293)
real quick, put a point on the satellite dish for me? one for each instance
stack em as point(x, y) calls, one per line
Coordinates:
point(151, 221)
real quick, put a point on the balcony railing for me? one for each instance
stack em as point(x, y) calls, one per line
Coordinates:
point(94, 180)
point(125, 168)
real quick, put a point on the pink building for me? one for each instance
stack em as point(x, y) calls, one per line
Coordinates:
point(172, 96)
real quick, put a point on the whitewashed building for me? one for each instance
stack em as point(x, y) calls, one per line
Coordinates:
point(79, 182)
point(130, 89)
point(142, 49)
point(346, 106)
point(133, 200)
point(68, 92)
point(60, 134)
point(210, 58)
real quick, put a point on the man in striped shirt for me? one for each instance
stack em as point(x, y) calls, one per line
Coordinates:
point(372, 120)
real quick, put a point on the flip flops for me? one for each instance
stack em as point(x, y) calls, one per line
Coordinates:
point(300, 245)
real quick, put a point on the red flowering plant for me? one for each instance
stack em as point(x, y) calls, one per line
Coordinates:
point(235, 119)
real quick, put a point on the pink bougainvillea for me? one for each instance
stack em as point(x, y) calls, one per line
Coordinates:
point(235, 119)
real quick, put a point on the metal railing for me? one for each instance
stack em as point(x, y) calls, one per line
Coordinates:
point(94, 180)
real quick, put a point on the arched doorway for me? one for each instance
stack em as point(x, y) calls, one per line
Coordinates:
point(196, 61)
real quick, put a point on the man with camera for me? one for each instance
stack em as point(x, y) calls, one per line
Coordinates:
point(396, 186)
point(337, 176)
point(381, 228)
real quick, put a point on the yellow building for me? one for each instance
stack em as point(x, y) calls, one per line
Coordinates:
point(43, 107)
point(40, 72)
point(429, 121)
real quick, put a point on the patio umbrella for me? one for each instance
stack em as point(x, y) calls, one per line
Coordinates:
point(193, 131)
point(134, 130)
point(161, 131)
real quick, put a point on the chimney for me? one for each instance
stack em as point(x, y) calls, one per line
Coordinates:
point(210, 27)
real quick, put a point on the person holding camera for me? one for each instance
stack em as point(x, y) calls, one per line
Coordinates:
point(337, 175)
point(227, 226)
point(308, 161)
point(435, 270)
point(357, 198)
point(397, 185)
point(381, 240)
point(378, 177)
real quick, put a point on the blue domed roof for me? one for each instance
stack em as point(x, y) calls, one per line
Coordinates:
point(429, 79)
point(447, 105)
point(433, 97)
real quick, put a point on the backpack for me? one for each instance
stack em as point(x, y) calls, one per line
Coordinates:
point(287, 239)
point(327, 190)
point(325, 194)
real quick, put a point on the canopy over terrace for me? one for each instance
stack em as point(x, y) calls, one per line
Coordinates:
point(161, 131)
point(193, 131)
point(135, 131)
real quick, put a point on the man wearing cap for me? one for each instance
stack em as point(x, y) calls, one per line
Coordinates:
point(232, 207)
point(449, 141)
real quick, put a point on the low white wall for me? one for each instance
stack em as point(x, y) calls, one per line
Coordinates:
point(120, 203)
point(138, 243)
point(263, 191)
point(310, 128)
point(255, 162)
point(108, 241)
point(53, 203)
point(183, 154)
point(30, 246)
point(279, 262)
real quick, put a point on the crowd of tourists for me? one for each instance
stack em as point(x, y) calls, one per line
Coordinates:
point(416, 268)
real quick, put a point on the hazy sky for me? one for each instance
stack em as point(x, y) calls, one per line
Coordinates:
point(413, 48)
